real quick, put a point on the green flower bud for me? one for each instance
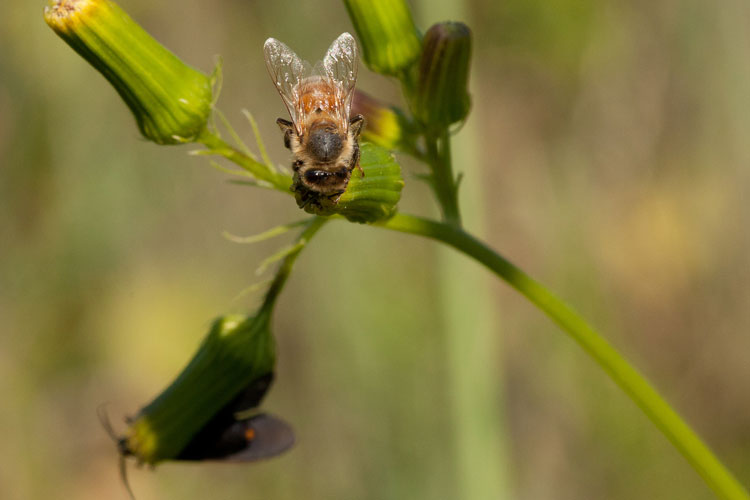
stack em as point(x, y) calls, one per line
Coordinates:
point(389, 40)
point(371, 194)
point(386, 126)
point(236, 351)
point(442, 96)
point(170, 100)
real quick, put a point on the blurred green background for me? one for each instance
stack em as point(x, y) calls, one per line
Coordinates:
point(607, 154)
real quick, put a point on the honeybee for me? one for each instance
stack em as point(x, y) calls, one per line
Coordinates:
point(323, 140)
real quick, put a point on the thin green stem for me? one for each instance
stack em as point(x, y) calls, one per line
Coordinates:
point(635, 385)
point(282, 274)
point(258, 170)
point(443, 181)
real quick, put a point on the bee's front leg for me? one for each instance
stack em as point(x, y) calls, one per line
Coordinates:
point(355, 160)
point(288, 128)
point(356, 124)
point(335, 197)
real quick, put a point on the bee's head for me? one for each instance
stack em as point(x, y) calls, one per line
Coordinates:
point(324, 142)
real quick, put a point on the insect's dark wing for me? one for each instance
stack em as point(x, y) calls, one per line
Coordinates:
point(228, 438)
point(255, 438)
point(271, 436)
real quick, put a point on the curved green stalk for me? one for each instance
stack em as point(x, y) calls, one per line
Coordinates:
point(282, 274)
point(635, 385)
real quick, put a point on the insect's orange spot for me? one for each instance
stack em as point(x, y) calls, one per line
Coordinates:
point(250, 434)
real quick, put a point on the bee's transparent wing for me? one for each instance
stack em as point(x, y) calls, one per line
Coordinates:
point(340, 64)
point(287, 70)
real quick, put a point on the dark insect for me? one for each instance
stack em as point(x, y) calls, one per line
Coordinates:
point(227, 438)
point(233, 434)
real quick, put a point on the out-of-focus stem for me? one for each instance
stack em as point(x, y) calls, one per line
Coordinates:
point(437, 91)
point(471, 346)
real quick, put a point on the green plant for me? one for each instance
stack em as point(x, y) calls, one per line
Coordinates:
point(432, 71)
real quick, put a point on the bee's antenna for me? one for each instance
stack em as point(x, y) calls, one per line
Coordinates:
point(122, 450)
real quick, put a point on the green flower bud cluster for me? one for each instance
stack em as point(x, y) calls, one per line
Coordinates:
point(433, 69)
point(170, 100)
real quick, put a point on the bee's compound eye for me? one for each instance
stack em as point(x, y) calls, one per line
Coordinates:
point(342, 173)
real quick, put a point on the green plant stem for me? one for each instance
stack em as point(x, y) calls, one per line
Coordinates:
point(635, 385)
point(260, 171)
point(444, 183)
point(282, 273)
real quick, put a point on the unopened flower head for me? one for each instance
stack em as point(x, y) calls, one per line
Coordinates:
point(372, 193)
point(236, 351)
point(386, 126)
point(442, 96)
point(390, 41)
point(170, 100)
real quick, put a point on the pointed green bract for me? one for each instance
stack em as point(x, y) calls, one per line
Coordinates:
point(170, 100)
